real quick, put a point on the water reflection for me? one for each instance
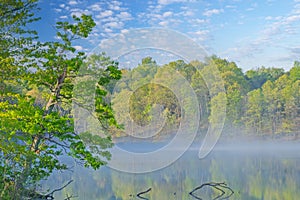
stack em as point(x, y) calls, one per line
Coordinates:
point(252, 175)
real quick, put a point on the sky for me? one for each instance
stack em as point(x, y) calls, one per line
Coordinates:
point(250, 33)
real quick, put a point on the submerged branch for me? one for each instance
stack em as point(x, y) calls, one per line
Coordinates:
point(144, 192)
point(61, 188)
point(222, 187)
point(33, 195)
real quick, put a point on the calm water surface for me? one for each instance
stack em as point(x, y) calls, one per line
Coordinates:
point(252, 171)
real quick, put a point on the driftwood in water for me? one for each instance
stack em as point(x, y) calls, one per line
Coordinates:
point(144, 192)
point(222, 187)
point(50, 196)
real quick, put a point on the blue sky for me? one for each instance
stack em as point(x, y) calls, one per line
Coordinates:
point(251, 33)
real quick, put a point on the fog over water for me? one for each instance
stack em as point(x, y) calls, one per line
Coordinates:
point(252, 169)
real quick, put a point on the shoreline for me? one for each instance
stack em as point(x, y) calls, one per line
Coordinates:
point(287, 137)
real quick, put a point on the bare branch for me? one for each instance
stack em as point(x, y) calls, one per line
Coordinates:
point(144, 192)
point(218, 186)
point(59, 189)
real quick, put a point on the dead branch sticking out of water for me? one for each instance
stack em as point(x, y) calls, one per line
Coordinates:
point(222, 187)
point(144, 192)
point(50, 196)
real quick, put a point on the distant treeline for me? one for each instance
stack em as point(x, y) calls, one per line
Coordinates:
point(262, 101)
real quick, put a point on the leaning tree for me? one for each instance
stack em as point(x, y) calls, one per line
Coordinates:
point(37, 91)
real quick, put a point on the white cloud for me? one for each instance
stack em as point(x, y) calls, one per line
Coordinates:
point(108, 30)
point(104, 14)
point(115, 5)
point(159, 14)
point(295, 51)
point(109, 19)
point(63, 17)
point(166, 2)
point(76, 13)
point(231, 6)
point(163, 23)
point(94, 34)
point(73, 2)
point(95, 7)
point(211, 12)
point(167, 14)
point(188, 13)
point(57, 10)
point(200, 36)
point(116, 25)
point(202, 32)
point(292, 19)
point(110, 16)
point(78, 48)
point(278, 28)
point(252, 7)
point(198, 21)
point(124, 31)
point(268, 18)
point(124, 16)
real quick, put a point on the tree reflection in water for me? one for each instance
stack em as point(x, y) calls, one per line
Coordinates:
point(252, 175)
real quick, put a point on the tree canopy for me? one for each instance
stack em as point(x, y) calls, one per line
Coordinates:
point(37, 90)
point(259, 101)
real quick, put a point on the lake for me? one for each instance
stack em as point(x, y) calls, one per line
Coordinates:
point(254, 171)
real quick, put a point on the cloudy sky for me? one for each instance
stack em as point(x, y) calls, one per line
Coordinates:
point(251, 33)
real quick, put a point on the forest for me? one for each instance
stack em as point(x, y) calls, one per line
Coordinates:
point(259, 102)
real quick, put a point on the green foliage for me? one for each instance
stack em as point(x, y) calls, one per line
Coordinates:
point(200, 88)
point(15, 38)
point(262, 101)
point(295, 71)
point(259, 76)
point(37, 90)
point(273, 107)
point(254, 111)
